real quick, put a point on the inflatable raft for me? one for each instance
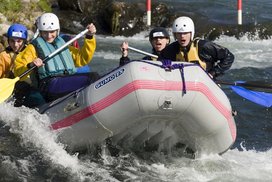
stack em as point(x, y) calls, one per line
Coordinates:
point(147, 102)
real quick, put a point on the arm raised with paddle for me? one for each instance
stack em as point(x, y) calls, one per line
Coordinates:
point(159, 38)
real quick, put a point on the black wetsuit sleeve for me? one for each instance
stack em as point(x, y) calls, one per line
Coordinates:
point(123, 60)
point(169, 52)
point(218, 57)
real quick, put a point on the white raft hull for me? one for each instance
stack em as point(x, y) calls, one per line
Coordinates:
point(142, 102)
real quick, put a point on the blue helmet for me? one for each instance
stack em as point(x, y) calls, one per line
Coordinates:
point(17, 31)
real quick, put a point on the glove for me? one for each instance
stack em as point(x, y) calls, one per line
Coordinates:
point(166, 63)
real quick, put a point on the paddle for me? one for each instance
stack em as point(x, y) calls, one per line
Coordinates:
point(143, 52)
point(245, 90)
point(7, 85)
point(261, 98)
point(252, 85)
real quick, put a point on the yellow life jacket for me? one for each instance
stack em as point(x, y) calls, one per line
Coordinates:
point(154, 59)
point(192, 55)
point(7, 63)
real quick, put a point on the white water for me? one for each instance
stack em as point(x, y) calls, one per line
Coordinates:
point(233, 166)
point(33, 130)
point(248, 53)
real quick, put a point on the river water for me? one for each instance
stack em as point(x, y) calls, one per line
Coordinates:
point(29, 151)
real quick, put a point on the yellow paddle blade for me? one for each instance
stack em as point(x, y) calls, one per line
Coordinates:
point(7, 87)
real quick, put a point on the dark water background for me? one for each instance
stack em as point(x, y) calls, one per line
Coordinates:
point(29, 151)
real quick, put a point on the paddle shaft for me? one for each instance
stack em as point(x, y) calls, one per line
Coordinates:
point(261, 85)
point(143, 52)
point(55, 52)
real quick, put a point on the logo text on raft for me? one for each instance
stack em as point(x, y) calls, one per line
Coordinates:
point(109, 78)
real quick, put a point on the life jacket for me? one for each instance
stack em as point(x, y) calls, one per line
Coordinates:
point(8, 57)
point(60, 64)
point(12, 60)
point(192, 55)
point(82, 69)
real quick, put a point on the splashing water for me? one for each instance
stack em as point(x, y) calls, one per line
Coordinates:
point(34, 131)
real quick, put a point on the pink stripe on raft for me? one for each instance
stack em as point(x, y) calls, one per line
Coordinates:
point(147, 85)
point(217, 104)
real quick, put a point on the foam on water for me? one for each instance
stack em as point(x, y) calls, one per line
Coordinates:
point(248, 53)
point(234, 165)
point(34, 132)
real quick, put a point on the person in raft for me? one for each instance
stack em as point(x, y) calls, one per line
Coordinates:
point(159, 38)
point(57, 76)
point(213, 58)
point(17, 39)
point(17, 35)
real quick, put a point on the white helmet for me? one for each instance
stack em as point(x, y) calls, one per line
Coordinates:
point(48, 22)
point(184, 24)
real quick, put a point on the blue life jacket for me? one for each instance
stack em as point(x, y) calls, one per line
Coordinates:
point(61, 64)
point(82, 69)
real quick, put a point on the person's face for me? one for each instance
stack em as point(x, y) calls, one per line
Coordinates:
point(159, 43)
point(49, 36)
point(16, 43)
point(183, 38)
